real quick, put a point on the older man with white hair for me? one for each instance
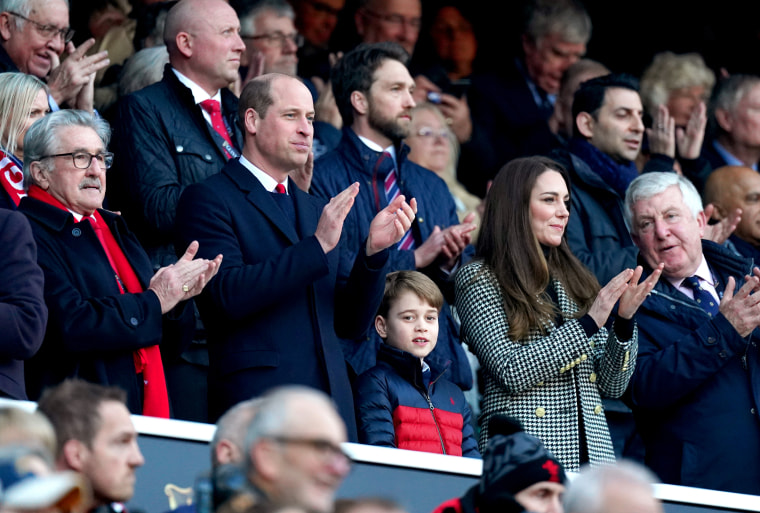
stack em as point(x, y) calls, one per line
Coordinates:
point(697, 370)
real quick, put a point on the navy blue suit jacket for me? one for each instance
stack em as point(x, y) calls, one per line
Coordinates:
point(23, 313)
point(275, 310)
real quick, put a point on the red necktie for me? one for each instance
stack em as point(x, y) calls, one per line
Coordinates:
point(280, 189)
point(215, 111)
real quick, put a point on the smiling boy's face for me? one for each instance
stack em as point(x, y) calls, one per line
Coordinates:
point(411, 325)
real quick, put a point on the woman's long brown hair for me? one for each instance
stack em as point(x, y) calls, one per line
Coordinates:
point(508, 246)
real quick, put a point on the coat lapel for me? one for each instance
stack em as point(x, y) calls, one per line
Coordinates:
point(261, 199)
point(307, 216)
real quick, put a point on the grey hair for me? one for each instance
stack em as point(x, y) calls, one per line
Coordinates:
point(728, 94)
point(144, 68)
point(233, 425)
point(585, 493)
point(276, 415)
point(566, 18)
point(17, 93)
point(251, 10)
point(670, 71)
point(42, 137)
point(22, 7)
point(650, 184)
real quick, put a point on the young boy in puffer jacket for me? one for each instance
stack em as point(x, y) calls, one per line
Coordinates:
point(398, 402)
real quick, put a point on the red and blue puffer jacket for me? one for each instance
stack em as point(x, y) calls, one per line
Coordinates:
point(396, 407)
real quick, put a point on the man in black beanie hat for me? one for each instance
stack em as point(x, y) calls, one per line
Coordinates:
point(519, 474)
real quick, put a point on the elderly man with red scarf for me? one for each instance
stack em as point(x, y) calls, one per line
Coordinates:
point(110, 317)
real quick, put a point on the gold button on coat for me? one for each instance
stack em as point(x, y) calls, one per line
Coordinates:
point(598, 409)
point(540, 412)
point(592, 377)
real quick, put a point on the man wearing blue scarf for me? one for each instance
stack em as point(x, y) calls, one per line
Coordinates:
point(607, 138)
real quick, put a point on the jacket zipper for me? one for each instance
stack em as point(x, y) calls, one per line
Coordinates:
point(438, 429)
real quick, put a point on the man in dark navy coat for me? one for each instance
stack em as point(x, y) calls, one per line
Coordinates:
point(696, 388)
point(23, 313)
point(276, 309)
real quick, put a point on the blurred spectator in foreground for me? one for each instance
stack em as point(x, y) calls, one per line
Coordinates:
point(368, 505)
point(95, 437)
point(29, 485)
point(293, 449)
point(624, 487)
point(31, 429)
point(519, 474)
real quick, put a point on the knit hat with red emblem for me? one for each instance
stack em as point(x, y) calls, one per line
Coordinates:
point(514, 460)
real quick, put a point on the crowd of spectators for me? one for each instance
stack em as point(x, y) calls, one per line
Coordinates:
point(359, 205)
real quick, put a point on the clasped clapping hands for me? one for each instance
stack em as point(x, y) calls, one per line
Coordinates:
point(625, 290)
point(386, 229)
point(446, 244)
point(184, 279)
point(72, 81)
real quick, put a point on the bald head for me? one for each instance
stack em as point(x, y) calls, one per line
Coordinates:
point(736, 187)
point(204, 44)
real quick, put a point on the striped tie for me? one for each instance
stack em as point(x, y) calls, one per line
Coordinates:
point(391, 193)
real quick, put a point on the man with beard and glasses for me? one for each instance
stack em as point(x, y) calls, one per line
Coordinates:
point(111, 320)
point(373, 90)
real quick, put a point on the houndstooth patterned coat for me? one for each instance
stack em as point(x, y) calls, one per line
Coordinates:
point(543, 380)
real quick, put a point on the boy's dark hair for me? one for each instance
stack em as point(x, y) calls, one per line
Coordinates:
point(354, 72)
point(396, 283)
point(590, 95)
point(72, 408)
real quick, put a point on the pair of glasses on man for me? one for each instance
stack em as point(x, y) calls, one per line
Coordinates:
point(83, 159)
point(278, 39)
point(48, 31)
point(327, 451)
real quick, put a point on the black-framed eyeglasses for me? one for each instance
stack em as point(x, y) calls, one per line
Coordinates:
point(83, 159)
point(327, 450)
point(48, 31)
point(396, 20)
point(277, 39)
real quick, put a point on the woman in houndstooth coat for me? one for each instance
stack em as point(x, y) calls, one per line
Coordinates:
point(538, 321)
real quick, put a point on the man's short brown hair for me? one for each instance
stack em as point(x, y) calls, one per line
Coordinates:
point(72, 408)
